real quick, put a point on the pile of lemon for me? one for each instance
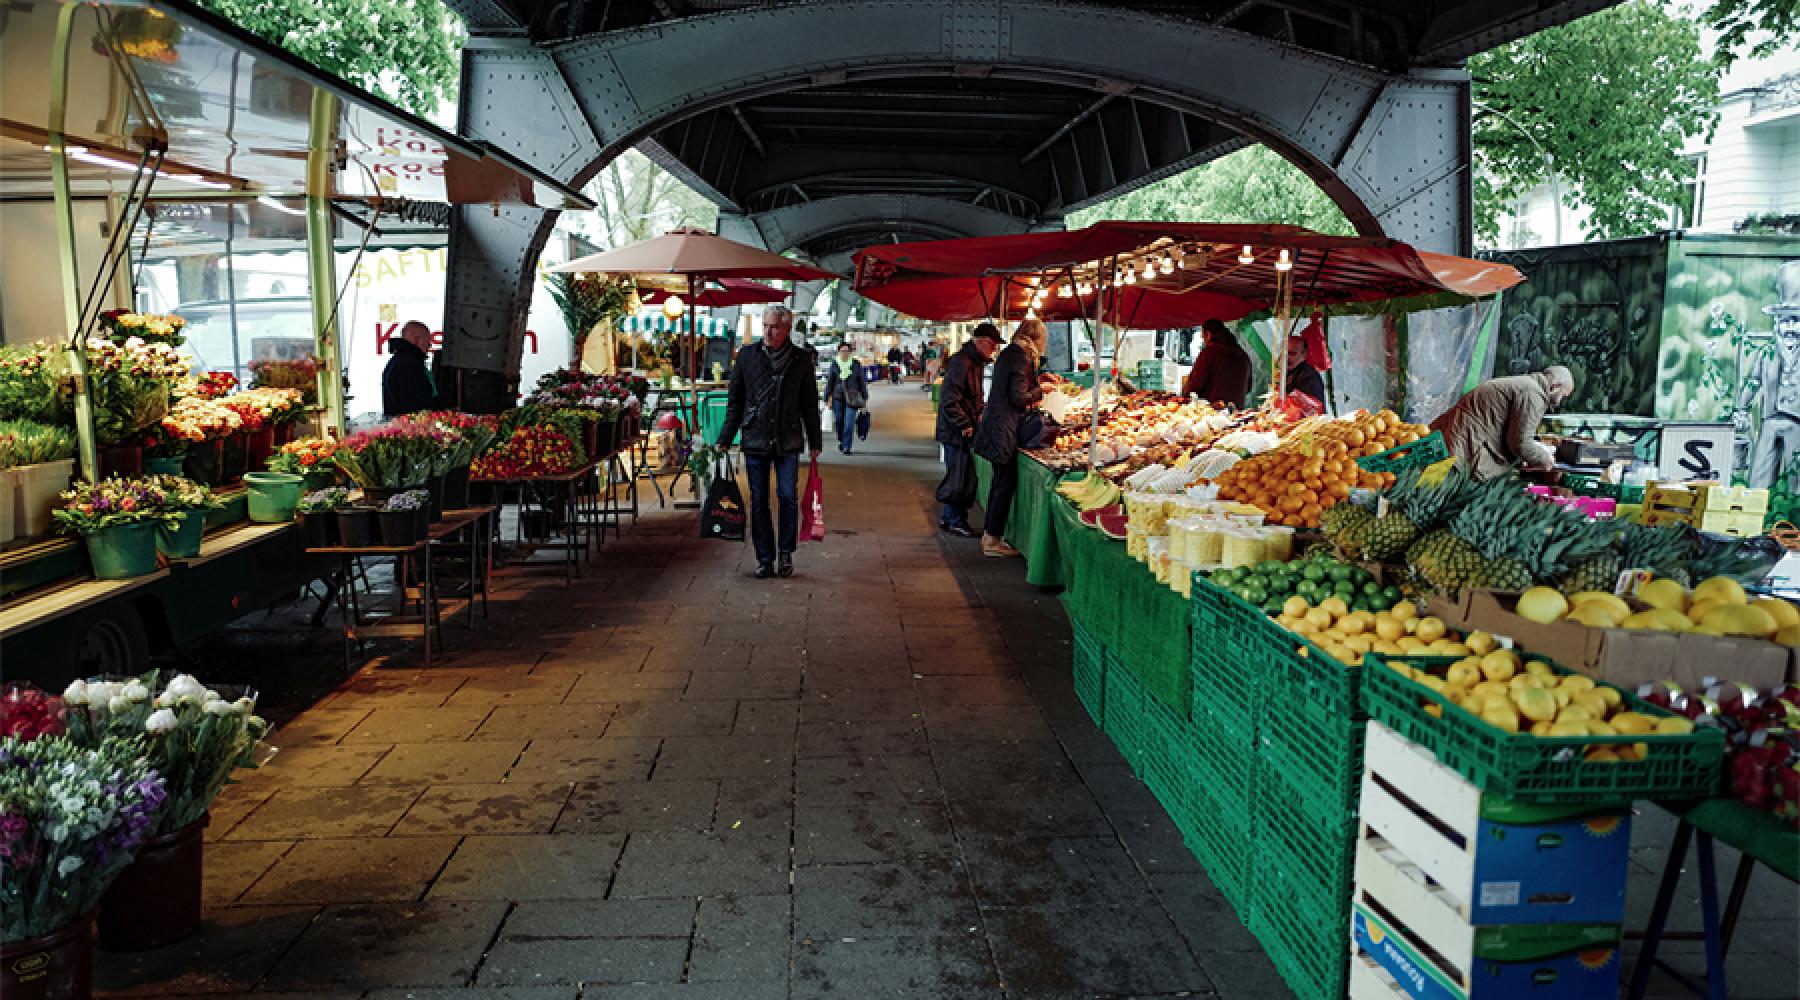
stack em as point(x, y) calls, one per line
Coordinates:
point(1345, 635)
point(1514, 695)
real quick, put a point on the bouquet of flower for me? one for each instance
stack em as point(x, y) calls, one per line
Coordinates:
point(398, 454)
point(210, 385)
point(597, 397)
point(92, 507)
point(193, 735)
point(408, 501)
point(539, 450)
point(71, 818)
point(324, 501)
point(312, 454)
point(300, 374)
point(193, 420)
point(181, 494)
point(27, 713)
point(28, 384)
point(474, 434)
point(33, 443)
point(260, 408)
point(130, 385)
point(123, 325)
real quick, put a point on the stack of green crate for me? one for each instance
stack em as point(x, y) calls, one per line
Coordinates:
point(1090, 672)
point(1309, 765)
point(1225, 715)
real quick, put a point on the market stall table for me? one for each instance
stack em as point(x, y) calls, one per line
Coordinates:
point(574, 507)
point(1030, 529)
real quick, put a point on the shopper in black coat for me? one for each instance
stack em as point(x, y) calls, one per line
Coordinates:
point(774, 400)
point(959, 413)
point(847, 393)
point(405, 384)
point(1013, 393)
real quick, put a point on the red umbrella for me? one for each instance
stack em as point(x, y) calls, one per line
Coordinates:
point(722, 293)
point(1179, 273)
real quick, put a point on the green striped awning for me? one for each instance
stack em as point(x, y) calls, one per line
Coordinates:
point(654, 323)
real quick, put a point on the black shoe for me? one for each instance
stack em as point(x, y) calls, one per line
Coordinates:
point(764, 570)
point(960, 530)
point(785, 568)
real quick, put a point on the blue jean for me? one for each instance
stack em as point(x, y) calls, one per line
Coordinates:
point(953, 455)
point(843, 418)
point(787, 492)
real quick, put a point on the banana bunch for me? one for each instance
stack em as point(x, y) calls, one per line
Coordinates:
point(1089, 492)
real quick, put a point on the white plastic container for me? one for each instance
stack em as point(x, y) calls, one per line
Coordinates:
point(9, 479)
point(38, 489)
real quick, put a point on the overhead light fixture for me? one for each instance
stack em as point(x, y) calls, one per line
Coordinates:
point(1168, 264)
point(1284, 262)
point(1131, 277)
point(673, 307)
point(1149, 269)
point(1064, 292)
point(1247, 257)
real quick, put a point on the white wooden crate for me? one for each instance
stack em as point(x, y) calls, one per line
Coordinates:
point(1369, 981)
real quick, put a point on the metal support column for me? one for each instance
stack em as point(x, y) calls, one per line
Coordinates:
point(321, 258)
point(75, 349)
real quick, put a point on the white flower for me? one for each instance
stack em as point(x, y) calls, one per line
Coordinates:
point(184, 686)
point(76, 693)
point(244, 705)
point(220, 707)
point(118, 705)
point(68, 866)
point(160, 721)
point(136, 691)
point(101, 692)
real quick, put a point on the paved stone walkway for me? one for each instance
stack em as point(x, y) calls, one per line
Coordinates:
point(674, 781)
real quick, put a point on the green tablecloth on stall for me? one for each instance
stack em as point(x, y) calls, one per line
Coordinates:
point(1142, 623)
point(1029, 528)
point(1762, 835)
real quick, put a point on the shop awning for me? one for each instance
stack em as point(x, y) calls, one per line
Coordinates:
point(1160, 275)
point(235, 114)
point(690, 252)
point(656, 324)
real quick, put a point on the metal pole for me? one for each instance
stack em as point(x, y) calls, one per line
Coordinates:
point(1098, 339)
point(75, 349)
point(321, 259)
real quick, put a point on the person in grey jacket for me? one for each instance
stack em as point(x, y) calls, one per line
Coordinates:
point(1495, 425)
point(1013, 392)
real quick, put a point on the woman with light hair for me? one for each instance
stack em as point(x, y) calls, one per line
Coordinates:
point(1494, 427)
point(1013, 393)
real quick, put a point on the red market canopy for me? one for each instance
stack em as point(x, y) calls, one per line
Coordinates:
point(722, 293)
point(1179, 273)
point(695, 252)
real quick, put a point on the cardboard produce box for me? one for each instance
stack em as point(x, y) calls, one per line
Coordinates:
point(1626, 657)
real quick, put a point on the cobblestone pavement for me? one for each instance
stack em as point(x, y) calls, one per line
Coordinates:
point(674, 781)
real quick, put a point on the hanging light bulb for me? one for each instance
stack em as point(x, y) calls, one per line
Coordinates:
point(1131, 277)
point(673, 307)
point(1246, 257)
point(1168, 264)
point(1284, 262)
point(1064, 291)
point(1149, 269)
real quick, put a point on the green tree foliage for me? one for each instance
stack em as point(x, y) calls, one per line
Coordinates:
point(1759, 26)
point(1609, 99)
point(404, 50)
point(1250, 185)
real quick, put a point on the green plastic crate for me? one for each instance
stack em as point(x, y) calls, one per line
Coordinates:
point(1226, 747)
point(1542, 768)
point(1305, 937)
point(1321, 691)
point(1327, 763)
point(1127, 716)
point(1305, 865)
point(1227, 649)
point(1222, 840)
point(1090, 673)
point(1428, 450)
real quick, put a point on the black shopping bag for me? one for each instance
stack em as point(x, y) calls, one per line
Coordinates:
point(862, 425)
point(723, 515)
point(960, 485)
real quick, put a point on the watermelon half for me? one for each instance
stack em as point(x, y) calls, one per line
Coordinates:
point(1113, 526)
point(1091, 518)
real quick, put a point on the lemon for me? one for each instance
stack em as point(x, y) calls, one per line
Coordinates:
point(1722, 588)
point(1665, 594)
point(1542, 605)
point(1430, 629)
point(1480, 643)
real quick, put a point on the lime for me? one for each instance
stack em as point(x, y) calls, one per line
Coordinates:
point(1313, 573)
point(1371, 588)
point(1391, 595)
point(1341, 573)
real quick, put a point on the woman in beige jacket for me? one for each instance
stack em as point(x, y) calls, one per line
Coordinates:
point(1494, 427)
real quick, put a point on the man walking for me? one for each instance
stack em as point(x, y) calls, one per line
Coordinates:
point(775, 401)
point(895, 357)
point(959, 413)
point(405, 384)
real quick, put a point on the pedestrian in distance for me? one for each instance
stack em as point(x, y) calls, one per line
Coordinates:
point(894, 358)
point(959, 413)
point(1494, 426)
point(1013, 394)
point(847, 392)
point(774, 400)
point(1221, 372)
point(405, 384)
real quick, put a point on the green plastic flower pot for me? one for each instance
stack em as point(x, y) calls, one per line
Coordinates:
point(123, 550)
point(273, 496)
point(163, 466)
point(182, 542)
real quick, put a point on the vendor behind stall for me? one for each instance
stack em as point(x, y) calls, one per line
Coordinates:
point(1302, 376)
point(1221, 373)
point(1494, 426)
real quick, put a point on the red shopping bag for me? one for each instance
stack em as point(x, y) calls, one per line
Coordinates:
point(812, 507)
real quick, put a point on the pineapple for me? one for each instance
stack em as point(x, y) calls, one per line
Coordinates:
point(1389, 536)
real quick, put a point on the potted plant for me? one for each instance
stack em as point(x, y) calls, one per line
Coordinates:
point(356, 526)
point(471, 436)
point(528, 452)
point(71, 819)
point(130, 386)
point(194, 429)
point(318, 515)
point(310, 458)
point(43, 463)
point(391, 458)
point(300, 374)
point(117, 519)
point(123, 325)
point(262, 410)
point(188, 502)
point(193, 737)
point(399, 518)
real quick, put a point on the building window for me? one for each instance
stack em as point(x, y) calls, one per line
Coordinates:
point(1690, 213)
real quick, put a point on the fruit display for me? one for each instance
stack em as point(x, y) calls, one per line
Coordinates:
point(1149, 422)
point(1717, 606)
point(1346, 633)
point(1089, 492)
point(1518, 695)
point(1762, 739)
point(1314, 579)
point(1314, 467)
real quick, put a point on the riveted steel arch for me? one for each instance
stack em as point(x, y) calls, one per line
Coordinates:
point(804, 225)
point(1390, 148)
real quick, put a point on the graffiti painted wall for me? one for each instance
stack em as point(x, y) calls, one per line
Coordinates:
point(1731, 352)
point(1596, 309)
